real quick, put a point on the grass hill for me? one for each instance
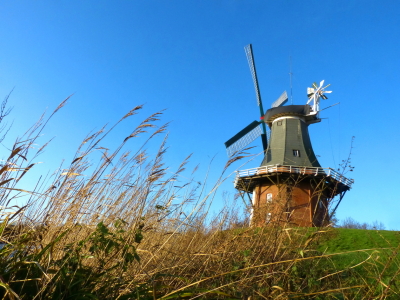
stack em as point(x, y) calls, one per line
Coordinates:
point(367, 260)
point(343, 239)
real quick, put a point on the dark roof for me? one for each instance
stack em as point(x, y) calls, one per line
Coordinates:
point(290, 110)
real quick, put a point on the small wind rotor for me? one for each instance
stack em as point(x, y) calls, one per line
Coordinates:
point(315, 93)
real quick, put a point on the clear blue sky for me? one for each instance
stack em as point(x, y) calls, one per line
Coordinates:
point(188, 57)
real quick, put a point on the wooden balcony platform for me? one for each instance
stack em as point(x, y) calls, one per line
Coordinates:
point(246, 179)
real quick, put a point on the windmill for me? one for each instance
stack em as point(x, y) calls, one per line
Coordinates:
point(255, 128)
point(289, 186)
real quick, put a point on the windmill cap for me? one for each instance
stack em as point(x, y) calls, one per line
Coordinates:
point(302, 111)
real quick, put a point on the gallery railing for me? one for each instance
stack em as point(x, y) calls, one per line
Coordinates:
point(328, 172)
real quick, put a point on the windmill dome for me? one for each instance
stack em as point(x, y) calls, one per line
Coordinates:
point(301, 111)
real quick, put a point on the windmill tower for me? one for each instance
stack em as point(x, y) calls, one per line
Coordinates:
point(290, 185)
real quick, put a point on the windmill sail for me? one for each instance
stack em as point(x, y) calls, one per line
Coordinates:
point(243, 138)
point(281, 100)
point(250, 59)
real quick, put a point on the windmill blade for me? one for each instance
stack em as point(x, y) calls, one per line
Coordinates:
point(310, 93)
point(243, 138)
point(310, 90)
point(321, 83)
point(250, 59)
point(281, 100)
point(326, 86)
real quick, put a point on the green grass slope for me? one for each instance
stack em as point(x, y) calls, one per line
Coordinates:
point(343, 239)
point(368, 258)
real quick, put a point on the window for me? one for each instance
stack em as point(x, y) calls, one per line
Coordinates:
point(269, 216)
point(253, 199)
point(279, 123)
point(269, 198)
point(296, 153)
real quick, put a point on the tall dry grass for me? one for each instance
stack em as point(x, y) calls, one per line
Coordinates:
point(125, 226)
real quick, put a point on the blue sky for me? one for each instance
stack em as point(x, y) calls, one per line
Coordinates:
point(188, 57)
